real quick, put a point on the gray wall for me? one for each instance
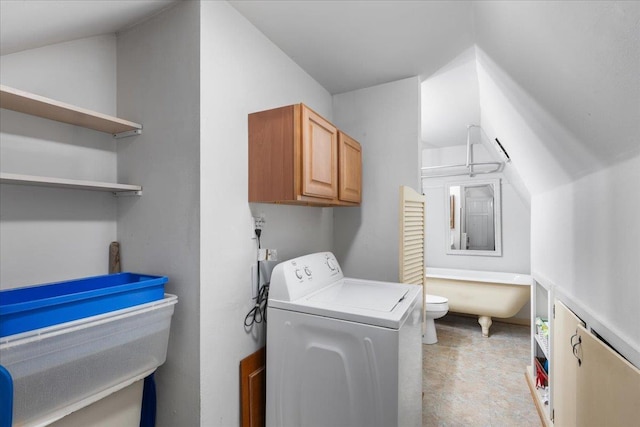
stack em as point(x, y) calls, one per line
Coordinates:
point(50, 234)
point(158, 86)
point(385, 120)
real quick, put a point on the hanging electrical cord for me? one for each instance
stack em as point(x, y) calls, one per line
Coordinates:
point(258, 232)
point(258, 313)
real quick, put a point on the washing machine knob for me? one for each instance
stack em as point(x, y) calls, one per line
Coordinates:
point(331, 265)
point(298, 273)
point(307, 271)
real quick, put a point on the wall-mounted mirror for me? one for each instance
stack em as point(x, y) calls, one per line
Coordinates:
point(473, 218)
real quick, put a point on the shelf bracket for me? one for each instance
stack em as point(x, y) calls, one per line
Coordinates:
point(127, 133)
point(127, 193)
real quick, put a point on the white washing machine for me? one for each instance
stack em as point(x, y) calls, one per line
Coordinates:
point(341, 352)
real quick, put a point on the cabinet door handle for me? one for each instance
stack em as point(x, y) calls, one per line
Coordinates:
point(574, 336)
point(575, 346)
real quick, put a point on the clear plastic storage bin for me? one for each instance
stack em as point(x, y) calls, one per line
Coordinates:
point(57, 367)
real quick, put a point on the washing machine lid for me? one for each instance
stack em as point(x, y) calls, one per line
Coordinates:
point(373, 296)
point(385, 304)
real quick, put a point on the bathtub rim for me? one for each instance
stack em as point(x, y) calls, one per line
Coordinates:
point(518, 279)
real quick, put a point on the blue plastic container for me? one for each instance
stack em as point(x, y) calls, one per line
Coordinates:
point(35, 307)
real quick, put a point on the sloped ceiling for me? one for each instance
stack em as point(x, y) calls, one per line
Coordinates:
point(349, 45)
point(558, 82)
point(578, 63)
point(450, 102)
point(36, 23)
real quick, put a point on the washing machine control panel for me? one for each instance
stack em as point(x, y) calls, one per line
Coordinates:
point(300, 276)
point(303, 273)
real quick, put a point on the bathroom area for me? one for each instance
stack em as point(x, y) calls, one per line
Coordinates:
point(478, 225)
point(477, 341)
point(494, 289)
point(520, 146)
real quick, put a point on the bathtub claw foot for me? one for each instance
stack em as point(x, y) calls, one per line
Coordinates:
point(485, 322)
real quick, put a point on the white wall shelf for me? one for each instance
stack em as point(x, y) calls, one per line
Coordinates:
point(43, 181)
point(541, 348)
point(36, 105)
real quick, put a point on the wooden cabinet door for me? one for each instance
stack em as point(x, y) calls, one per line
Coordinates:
point(608, 386)
point(350, 170)
point(319, 156)
point(253, 383)
point(564, 369)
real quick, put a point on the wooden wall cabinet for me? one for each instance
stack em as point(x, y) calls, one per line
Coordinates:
point(298, 157)
point(350, 178)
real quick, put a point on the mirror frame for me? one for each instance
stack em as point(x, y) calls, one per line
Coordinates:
point(497, 216)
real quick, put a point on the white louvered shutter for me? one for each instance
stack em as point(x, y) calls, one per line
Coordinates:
point(412, 234)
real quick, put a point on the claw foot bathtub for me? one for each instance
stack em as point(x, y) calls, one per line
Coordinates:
point(485, 294)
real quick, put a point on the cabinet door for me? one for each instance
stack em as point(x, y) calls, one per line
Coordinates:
point(608, 386)
point(565, 366)
point(350, 171)
point(319, 156)
point(252, 389)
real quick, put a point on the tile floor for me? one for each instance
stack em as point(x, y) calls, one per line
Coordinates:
point(471, 381)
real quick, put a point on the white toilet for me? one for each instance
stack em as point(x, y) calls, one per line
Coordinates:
point(435, 308)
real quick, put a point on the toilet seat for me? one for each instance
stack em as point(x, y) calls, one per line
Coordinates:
point(436, 303)
point(434, 299)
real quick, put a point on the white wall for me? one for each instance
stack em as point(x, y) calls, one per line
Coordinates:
point(159, 232)
point(571, 127)
point(515, 218)
point(585, 242)
point(385, 119)
point(52, 234)
point(241, 72)
point(450, 102)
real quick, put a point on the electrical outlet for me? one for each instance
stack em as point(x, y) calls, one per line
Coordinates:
point(259, 221)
